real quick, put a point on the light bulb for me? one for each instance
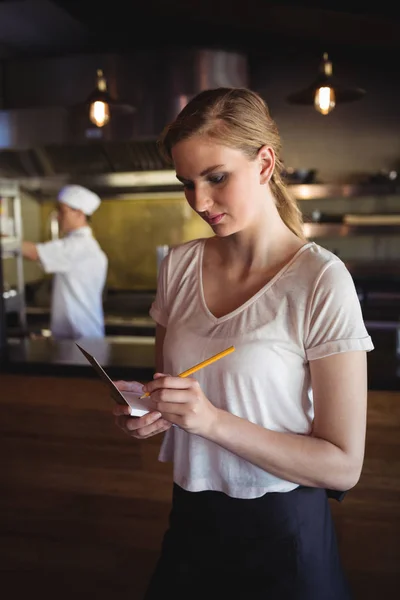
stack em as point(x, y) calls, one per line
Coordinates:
point(324, 100)
point(99, 113)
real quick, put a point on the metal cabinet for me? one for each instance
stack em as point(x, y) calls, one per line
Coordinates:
point(11, 247)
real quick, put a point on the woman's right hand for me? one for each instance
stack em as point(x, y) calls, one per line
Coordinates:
point(143, 427)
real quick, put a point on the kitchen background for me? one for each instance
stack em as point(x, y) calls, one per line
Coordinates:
point(354, 152)
point(81, 503)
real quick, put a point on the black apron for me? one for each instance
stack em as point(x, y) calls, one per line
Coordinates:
point(281, 546)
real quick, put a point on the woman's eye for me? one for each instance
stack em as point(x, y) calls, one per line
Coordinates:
point(217, 178)
point(188, 186)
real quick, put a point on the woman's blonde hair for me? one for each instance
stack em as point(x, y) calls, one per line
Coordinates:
point(238, 118)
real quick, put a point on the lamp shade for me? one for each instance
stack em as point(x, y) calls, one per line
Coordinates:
point(115, 105)
point(325, 79)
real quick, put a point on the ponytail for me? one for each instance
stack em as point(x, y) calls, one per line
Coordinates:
point(287, 206)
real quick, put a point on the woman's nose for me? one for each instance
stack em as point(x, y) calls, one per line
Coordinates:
point(202, 200)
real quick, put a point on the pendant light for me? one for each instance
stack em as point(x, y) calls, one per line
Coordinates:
point(99, 102)
point(102, 105)
point(325, 92)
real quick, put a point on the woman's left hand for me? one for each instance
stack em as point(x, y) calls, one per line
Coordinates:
point(182, 402)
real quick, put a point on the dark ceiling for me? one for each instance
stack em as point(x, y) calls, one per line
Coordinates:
point(45, 28)
point(57, 26)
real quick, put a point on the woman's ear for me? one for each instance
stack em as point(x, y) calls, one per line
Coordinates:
point(266, 158)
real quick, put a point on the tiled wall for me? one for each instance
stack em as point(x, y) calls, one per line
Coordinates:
point(130, 229)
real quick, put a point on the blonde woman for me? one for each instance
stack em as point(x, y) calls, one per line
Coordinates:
point(258, 437)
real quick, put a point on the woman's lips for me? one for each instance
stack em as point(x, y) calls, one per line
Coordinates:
point(214, 219)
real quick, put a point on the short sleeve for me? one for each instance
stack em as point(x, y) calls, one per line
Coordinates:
point(159, 309)
point(55, 256)
point(334, 322)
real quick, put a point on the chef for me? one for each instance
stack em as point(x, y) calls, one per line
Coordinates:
point(79, 266)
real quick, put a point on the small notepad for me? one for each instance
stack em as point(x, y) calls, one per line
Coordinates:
point(138, 406)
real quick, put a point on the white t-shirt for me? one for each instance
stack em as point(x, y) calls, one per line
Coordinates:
point(80, 268)
point(309, 310)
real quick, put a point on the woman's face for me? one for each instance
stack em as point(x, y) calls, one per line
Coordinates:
point(221, 184)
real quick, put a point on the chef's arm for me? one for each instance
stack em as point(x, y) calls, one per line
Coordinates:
point(54, 256)
point(29, 251)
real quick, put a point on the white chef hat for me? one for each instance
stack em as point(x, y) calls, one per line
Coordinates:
point(80, 198)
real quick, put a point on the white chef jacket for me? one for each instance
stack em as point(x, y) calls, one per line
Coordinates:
point(80, 268)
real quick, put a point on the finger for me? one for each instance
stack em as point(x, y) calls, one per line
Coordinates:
point(167, 381)
point(129, 423)
point(120, 410)
point(170, 410)
point(143, 432)
point(158, 427)
point(144, 421)
point(158, 375)
point(166, 396)
point(129, 386)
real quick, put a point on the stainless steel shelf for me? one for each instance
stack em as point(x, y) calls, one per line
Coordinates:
point(9, 188)
point(317, 230)
point(14, 299)
point(320, 191)
point(10, 246)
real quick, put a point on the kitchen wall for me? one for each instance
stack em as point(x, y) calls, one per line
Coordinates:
point(355, 139)
point(129, 230)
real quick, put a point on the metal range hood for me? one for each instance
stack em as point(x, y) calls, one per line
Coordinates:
point(46, 137)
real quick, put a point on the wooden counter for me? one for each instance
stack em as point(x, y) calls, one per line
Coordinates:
point(83, 507)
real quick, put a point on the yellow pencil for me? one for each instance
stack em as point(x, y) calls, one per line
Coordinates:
point(202, 364)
